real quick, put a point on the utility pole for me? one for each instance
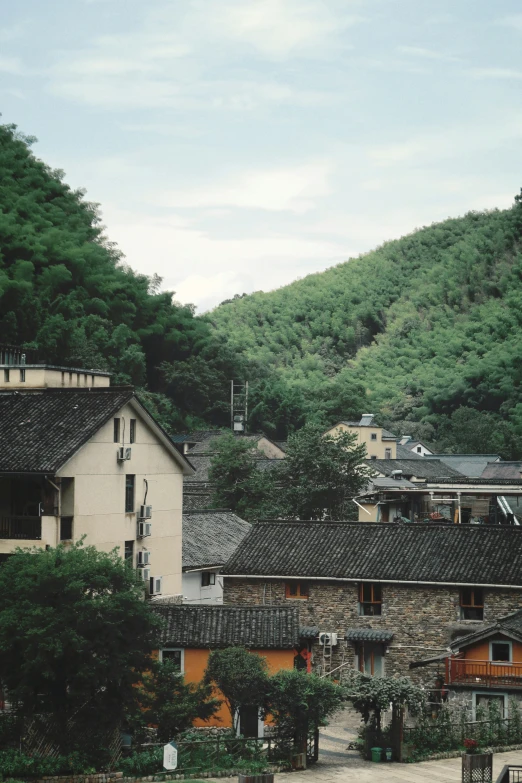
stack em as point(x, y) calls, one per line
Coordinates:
point(238, 407)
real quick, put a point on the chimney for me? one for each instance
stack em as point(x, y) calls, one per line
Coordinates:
point(405, 439)
point(366, 420)
point(396, 475)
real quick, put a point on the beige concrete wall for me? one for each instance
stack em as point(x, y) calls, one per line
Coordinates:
point(99, 497)
point(374, 448)
point(271, 450)
point(370, 514)
point(43, 377)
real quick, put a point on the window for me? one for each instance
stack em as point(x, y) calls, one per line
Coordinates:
point(374, 436)
point(77, 378)
point(70, 378)
point(129, 553)
point(500, 652)
point(129, 493)
point(6, 376)
point(485, 699)
point(296, 590)
point(370, 658)
point(176, 655)
point(387, 454)
point(22, 376)
point(208, 578)
point(85, 379)
point(66, 524)
point(116, 430)
point(63, 379)
point(419, 449)
point(132, 436)
point(472, 603)
point(374, 456)
point(370, 599)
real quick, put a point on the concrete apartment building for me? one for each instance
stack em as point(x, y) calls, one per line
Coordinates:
point(80, 458)
point(380, 444)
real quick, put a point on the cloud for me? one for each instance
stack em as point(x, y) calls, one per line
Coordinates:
point(495, 73)
point(10, 65)
point(427, 54)
point(514, 21)
point(293, 189)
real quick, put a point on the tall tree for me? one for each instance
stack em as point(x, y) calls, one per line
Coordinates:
point(241, 677)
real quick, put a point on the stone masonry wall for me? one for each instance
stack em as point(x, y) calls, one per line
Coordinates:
point(424, 618)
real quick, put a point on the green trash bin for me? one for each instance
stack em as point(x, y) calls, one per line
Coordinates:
point(376, 754)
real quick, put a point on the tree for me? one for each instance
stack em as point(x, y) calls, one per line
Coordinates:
point(241, 676)
point(371, 696)
point(321, 474)
point(239, 485)
point(75, 638)
point(301, 702)
point(166, 701)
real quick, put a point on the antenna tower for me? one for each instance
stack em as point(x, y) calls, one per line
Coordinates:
point(238, 407)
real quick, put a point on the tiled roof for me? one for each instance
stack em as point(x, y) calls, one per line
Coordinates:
point(309, 631)
point(194, 437)
point(470, 465)
point(367, 635)
point(201, 464)
point(210, 537)
point(502, 470)
point(40, 430)
point(403, 452)
point(255, 627)
point(421, 468)
point(511, 624)
point(370, 551)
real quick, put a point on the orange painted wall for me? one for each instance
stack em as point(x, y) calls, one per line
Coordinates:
point(196, 663)
point(480, 651)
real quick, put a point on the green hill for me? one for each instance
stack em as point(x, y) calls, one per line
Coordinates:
point(424, 331)
point(65, 294)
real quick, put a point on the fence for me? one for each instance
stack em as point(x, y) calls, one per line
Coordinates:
point(510, 774)
point(444, 736)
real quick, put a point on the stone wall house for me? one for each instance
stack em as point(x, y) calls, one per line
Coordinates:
point(392, 594)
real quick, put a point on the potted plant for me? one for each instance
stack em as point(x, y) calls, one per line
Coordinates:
point(477, 766)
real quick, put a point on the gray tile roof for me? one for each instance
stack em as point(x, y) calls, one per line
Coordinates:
point(510, 624)
point(421, 468)
point(202, 462)
point(211, 537)
point(470, 465)
point(309, 631)
point(368, 635)
point(502, 470)
point(255, 627)
point(370, 551)
point(403, 452)
point(40, 430)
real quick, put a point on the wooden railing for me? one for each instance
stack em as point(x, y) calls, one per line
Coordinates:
point(463, 671)
point(510, 774)
point(26, 528)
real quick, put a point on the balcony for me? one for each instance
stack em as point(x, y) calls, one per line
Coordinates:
point(484, 674)
point(21, 528)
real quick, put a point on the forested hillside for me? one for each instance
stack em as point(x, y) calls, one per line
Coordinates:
point(424, 331)
point(65, 293)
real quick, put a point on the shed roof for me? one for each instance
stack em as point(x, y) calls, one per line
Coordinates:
point(425, 467)
point(255, 627)
point(510, 624)
point(502, 470)
point(370, 551)
point(210, 537)
point(368, 635)
point(470, 465)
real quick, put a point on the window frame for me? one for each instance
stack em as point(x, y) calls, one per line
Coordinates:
point(209, 577)
point(488, 693)
point(373, 436)
point(510, 648)
point(387, 453)
point(173, 649)
point(22, 376)
point(473, 605)
point(373, 602)
point(130, 485)
point(129, 554)
point(7, 377)
point(116, 429)
point(132, 431)
point(302, 590)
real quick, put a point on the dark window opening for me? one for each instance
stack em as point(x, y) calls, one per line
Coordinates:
point(208, 578)
point(129, 553)
point(297, 590)
point(172, 655)
point(374, 436)
point(129, 493)
point(387, 453)
point(66, 527)
point(22, 376)
point(132, 435)
point(472, 603)
point(501, 651)
point(116, 430)
point(6, 376)
point(370, 599)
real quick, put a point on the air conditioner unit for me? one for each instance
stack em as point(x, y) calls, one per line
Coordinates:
point(328, 639)
point(124, 453)
point(144, 529)
point(143, 558)
point(145, 512)
point(145, 575)
point(155, 585)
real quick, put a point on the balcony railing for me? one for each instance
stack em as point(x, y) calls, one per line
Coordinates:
point(462, 671)
point(23, 528)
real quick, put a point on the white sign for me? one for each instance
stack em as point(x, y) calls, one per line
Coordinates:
point(170, 755)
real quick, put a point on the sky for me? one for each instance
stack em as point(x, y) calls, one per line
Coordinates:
point(237, 145)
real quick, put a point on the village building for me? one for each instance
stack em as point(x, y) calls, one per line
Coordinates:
point(416, 447)
point(380, 444)
point(210, 537)
point(81, 459)
point(190, 633)
point(380, 595)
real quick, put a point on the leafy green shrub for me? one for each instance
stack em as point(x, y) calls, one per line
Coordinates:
point(14, 764)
